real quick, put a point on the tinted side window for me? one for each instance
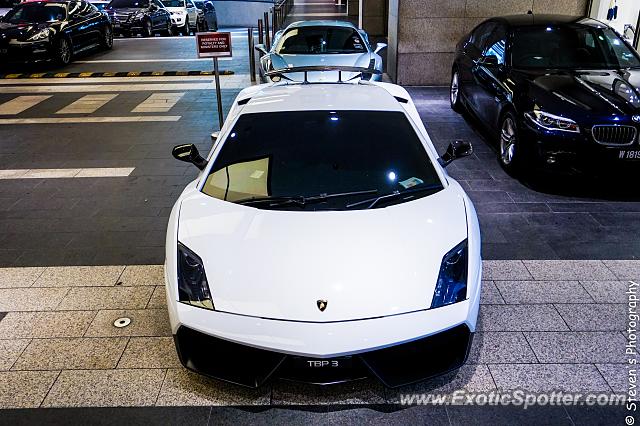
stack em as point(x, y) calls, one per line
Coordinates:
point(497, 44)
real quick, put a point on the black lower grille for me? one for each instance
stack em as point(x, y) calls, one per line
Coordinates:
point(394, 366)
point(614, 135)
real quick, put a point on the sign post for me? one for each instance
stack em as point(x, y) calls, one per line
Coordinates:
point(215, 45)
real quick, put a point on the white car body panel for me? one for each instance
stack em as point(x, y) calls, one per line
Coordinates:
point(377, 268)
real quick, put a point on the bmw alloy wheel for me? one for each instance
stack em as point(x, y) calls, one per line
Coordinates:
point(64, 51)
point(508, 141)
point(148, 30)
point(454, 89)
point(108, 38)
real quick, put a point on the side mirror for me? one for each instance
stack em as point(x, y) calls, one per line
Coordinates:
point(260, 48)
point(489, 61)
point(379, 47)
point(455, 150)
point(189, 154)
point(214, 136)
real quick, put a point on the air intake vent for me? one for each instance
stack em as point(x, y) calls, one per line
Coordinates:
point(614, 135)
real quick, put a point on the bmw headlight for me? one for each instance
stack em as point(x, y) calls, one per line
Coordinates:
point(193, 287)
point(40, 35)
point(552, 122)
point(452, 280)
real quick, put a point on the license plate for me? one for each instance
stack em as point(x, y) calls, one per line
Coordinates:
point(116, 25)
point(629, 154)
point(306, 363)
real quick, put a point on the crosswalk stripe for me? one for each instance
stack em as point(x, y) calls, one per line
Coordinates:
point(87, 104)
point(158, 102)
point(87, 120)
point(93, 88)
point(21, 103)
point(66, 173)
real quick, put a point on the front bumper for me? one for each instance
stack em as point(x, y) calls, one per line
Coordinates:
point(126, 27)
point(25, 52)
point(394, 366)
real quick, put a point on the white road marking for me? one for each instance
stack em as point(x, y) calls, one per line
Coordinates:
point(82, 120)
point(87, 104)
point(318, 14)
point(159, 102)
point(66, 173)
point(21, 103)
point(89, 88)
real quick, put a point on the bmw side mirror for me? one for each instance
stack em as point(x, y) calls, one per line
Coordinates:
point(189, 154)
point(260, 48)
point(214, 136)
point(379, 47)
point(455, 150)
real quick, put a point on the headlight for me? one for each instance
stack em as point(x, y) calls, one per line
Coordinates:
point(552, 122)
point(193, 287)
point(452, 280)
point(139, 16)
point(40, 35)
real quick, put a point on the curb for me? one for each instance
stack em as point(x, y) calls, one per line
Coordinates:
point(111, 74)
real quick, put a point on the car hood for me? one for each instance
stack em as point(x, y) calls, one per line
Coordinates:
point(124, 11)
point(594, 92)
point(9, 31)
point(363, 263)
point(347, 60)
point(177, 9)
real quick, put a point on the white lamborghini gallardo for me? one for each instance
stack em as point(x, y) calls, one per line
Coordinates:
point(323, 241)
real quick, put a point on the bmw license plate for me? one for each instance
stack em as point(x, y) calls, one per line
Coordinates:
point(629, 154)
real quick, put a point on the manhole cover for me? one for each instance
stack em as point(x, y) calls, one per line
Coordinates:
point(122, 322)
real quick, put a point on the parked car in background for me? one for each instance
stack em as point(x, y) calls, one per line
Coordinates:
point(208, 13)
point(321, 43)
point(144, 17)
point(52, 30)
point(100, 4)
point(555, 91)
point(7, 5)
point(184, 16)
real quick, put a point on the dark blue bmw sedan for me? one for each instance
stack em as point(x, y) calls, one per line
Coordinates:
point(556, 91)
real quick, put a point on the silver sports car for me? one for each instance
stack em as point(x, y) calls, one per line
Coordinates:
point(320, 43)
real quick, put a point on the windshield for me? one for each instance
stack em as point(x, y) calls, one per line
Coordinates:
point(173, 3)
point(137, 4)
point(320, 40)
point(568, 46)
point(36, 13)
point(371, 153)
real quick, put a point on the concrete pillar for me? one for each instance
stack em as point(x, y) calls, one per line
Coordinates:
point(423, 33)
point(370, 15)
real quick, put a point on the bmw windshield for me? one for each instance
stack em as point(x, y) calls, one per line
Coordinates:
point(36, 13)
point(571, 47)
point(320, 40)
point(322, 160)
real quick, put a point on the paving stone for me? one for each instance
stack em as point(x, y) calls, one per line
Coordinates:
point(45, 324)
point(508, 415)
point(518, 292)
point(137, 275)
point(158, 298)
point(144, 322)
point(577, 347)
point(568, 270)
point(366, 391)
point(182, 387)
point(500, 348)
point(607, 291)
point(150, 352)
point(616, 375)
point(624, 269)
point(490, 294)
point(71, 353)
point(79, 276)
point(470, 378)
point(24, 389)
point(106, 298)
point(505, 270)
point(30, 299)
point(10, 350)
point(594, 317)
point(19, 277)
point(520, 318)
point(105, 388)
point(548, 377)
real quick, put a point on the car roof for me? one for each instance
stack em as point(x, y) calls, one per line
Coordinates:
point(532, 19)
point(321, 96)
point(321, 23)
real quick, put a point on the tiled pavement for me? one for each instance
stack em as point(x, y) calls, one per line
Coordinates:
point(544, 326)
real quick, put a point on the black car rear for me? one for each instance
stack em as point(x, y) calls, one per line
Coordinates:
point(556, 91)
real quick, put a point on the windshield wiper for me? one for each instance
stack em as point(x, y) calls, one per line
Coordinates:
point(300, 200)
point(395, 194)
